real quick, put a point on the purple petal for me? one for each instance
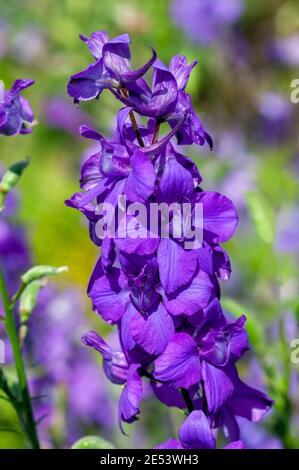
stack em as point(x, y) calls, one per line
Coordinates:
point(176, 265)
point(238, 345)
point(163, 98)
point(116, 56)
point(127, 339)
point(169, 396)
point(215, 344)
point(90, 175)
point(181, 71)
point(121, 119)
point(165, 91)
point(93, 193)
point(154, 332)
point(192, 130)
point(235, 445)
point(134, 75)
point(19, 85)
point(109, 295)
point(249, 402)
point(138, 246)
point(96, 42)
point(141, 181)
point(128, 406)
point(26, 111)
point(196, 433)
point(114, 362)
point(169, 444)
point(179, 365)
point(3, 116)
point(221, 263)
point(107, 253)
point(90, 133)
point(220, 217)
point(210, 317)
point(227, 421)
point(176, 183)
point(192, 298)
point(115, 160)
point(218, 386)
point(86, 85)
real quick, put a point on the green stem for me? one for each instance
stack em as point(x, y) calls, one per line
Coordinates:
point(187, 399)
point(156, 132)
point(12, 332)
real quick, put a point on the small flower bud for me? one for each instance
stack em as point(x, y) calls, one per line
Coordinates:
point(38, 272)
point(28, 299)
point(10, 177)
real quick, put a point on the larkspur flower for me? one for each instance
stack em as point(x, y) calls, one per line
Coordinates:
point(16, 115)
point(163, 296)
point(111, 68)
point(168, 101)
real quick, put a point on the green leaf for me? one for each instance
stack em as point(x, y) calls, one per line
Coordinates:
point(253, 328)
point(41, 271)
point(92, 442)
point(262, 215)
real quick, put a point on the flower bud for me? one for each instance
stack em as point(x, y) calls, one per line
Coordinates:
point(41, 271)
point(10, 177)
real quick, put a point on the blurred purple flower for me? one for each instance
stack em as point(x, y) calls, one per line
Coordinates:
point(29, 45)
point(286, 50)
point(287, 231)
point(205, 21)
point(4, 36)
point(276, 116)
point(257, 437)
point(60, 114)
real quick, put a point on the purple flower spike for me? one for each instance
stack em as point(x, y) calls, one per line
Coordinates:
point(157, 282)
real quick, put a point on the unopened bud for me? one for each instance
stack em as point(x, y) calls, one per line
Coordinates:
point(42, 271)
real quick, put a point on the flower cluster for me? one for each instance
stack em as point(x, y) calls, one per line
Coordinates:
point(16, 115)
point(163, 297)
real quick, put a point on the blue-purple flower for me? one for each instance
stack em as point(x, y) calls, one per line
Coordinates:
point(16, 115)
point(160, 291)
point(111, 68)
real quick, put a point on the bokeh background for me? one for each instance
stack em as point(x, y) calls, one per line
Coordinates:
point(248, 54)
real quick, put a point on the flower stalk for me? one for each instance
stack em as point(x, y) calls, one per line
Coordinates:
point(25, 406)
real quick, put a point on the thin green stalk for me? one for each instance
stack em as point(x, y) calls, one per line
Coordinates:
point(12, 332)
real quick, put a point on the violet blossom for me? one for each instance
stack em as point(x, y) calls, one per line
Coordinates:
point(163, 297)
point(16, 115)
